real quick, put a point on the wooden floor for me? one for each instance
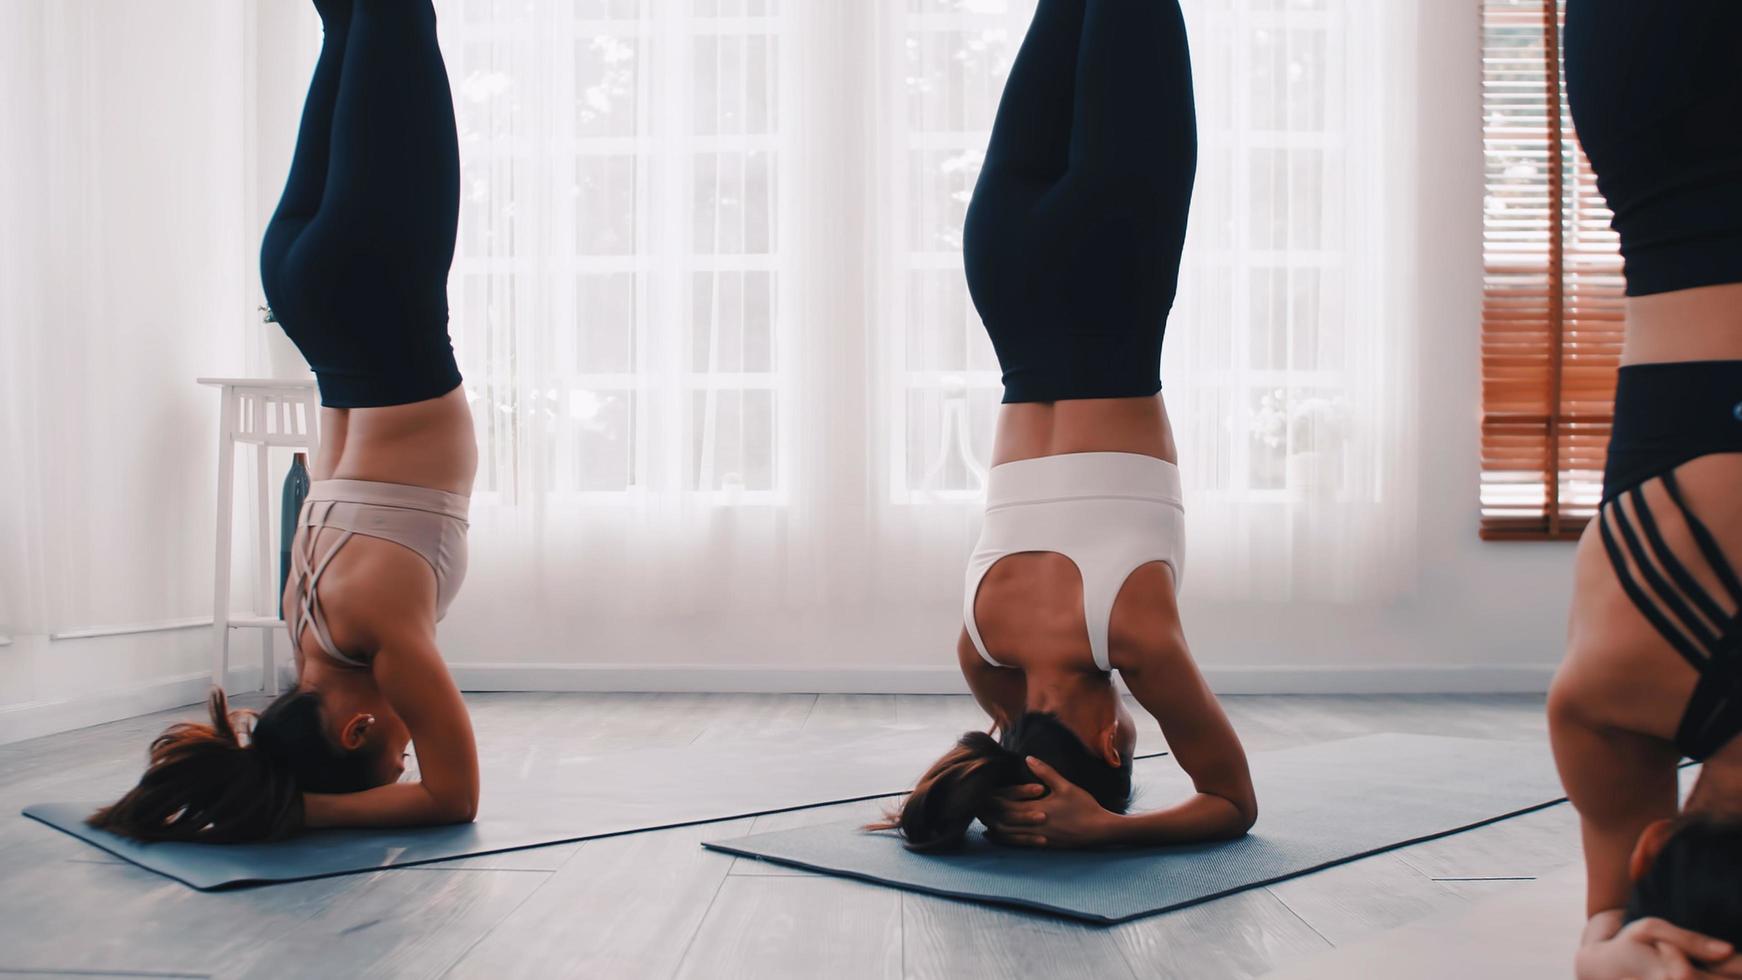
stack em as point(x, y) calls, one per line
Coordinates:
point(657, 905)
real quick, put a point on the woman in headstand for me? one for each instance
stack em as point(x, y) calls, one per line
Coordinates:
point(1072, 250)
point(1653, 671)
point(355, 265)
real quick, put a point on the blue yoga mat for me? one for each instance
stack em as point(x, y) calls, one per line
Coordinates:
point(569, 796)
point(1319, 805)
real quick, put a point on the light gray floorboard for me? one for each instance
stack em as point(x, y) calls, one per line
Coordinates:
point(620, 907)
point(657, 905)
point(1481, 889)
point(1352, 901)
point(852, 712)
point(1531, 845)
point(1527, 933)
point(69, 915)
point(772, 928)
point(948, 714)
point(407, 923)
point(94, 975)
point(1244, 935)
point(745, 716)
point(943, 938)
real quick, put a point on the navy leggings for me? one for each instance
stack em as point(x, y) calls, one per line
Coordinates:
point(1073, 238)
point(355, 260)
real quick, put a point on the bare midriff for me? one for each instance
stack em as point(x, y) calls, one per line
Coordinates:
point(426, 444)
point(1703, 324)
point(1031, 430)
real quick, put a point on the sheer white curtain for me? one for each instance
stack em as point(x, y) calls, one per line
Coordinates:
point(1287, 359)
point(1290, 368)
point(732, 398)
point(663, 344)
point(124, 274)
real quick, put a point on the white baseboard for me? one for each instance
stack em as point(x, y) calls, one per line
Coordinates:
point(1401, 679)
point(129, 629)
point(690, 679)
point(33, 719)
point(37, 718)
point(701, 679)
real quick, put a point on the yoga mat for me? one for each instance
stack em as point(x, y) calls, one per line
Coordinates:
point(558, 797)
point(1319, 805)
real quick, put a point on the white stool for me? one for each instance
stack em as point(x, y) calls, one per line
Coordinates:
point(263, 413)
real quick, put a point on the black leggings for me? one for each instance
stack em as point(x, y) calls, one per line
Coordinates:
point(355, 260)
point(1655, 94)
point(1073, 238)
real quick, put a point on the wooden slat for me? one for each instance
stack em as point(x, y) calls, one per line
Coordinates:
point(1553, 310)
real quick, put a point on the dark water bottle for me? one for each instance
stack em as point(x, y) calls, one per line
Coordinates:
point(295, 492)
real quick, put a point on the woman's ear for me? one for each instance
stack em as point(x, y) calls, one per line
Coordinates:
point(1651, 843)
point(1107, 743)
point(356, 732)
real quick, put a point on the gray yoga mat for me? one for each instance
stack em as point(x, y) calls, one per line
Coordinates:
point(1319, 805)
point(563, 796)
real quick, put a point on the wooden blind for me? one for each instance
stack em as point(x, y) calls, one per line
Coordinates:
point(1552, 295)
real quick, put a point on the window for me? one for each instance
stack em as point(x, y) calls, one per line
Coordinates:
point(1552, 311)
point(951, 59)
point(709, 297)
point(1269, 355)
point(622, 171)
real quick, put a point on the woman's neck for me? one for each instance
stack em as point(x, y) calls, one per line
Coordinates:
point(1076, 696)
point(321, 674)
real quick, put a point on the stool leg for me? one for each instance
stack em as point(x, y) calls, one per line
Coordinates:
point(221, 566)
point(264, 562)
point(268, 663)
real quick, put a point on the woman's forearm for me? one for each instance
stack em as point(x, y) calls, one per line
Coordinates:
point(1203, 817)
point(393, 805)
point(1602, 927)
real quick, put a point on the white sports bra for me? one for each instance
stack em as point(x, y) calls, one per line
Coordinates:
point(1109, 513)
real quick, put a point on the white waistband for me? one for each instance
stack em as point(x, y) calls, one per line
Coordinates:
point(1083, 476)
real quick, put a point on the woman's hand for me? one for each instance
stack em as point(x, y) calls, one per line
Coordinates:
point(1652, 949)
point(1054, 813)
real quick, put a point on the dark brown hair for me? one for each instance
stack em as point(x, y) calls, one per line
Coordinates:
point(1694, 881)
point(204, 783)
point(958, 787)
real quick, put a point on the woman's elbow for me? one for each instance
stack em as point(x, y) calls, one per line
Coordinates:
point(459, 813)
point(1248, 817)
point(1245, 815)
point(459, 808)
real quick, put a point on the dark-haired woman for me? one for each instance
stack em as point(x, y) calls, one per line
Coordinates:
point(1653, 671)
point(355, 265)
point(1072, 250)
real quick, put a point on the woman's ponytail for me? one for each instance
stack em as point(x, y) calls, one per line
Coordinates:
point(956, 790)
point(204, 784)
point(959, 787)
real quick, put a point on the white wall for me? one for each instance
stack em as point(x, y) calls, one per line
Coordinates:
point(127, 272)
point(154, 97)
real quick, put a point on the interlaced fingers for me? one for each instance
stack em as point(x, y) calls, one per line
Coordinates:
point(1683, 611)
